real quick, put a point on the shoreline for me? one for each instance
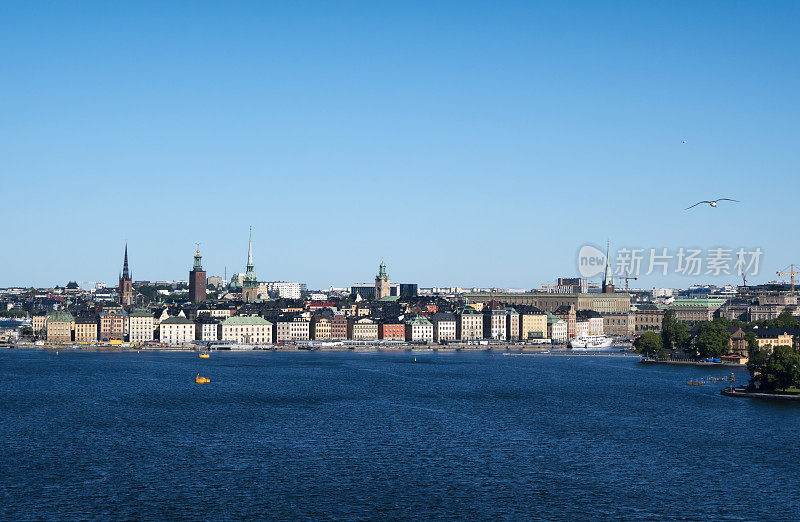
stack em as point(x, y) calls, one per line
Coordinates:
point(741, 392)
point(452, 348)
point(693, 363)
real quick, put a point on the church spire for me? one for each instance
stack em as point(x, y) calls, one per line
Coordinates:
point(125, 272)
point(250, 251)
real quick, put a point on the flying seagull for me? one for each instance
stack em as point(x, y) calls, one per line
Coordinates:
point(712, 203)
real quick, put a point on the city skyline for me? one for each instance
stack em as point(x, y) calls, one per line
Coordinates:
point(467, 146)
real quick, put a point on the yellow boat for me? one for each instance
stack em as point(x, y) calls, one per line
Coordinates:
point(201, 380)
point(205, 355)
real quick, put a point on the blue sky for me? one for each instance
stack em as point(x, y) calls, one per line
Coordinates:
point(467, 143)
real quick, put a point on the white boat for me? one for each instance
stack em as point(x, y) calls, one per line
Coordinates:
point(590, 342)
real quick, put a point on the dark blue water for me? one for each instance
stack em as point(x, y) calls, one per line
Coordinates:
point(344, 435)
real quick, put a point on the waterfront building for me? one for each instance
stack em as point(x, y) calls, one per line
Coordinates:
point(321, 327)
point(532, 323)
point(469, 324)
point(392, 330)
point(444, 327)
point(176, 330)
point(594, 319)
point(59, 326)
point(86, 329)
point(338, 327)
point(197, 280)
point(419, 329)
point(206, 328)
point(648, 318)
point(620, 324)
point(382, 283)
point(125, 288)
point(112, 323)
point(693, 311)
point(250, 281)
point(362, 329)
point(38, 322)
point(557, 330)
point(494, 321)
point(141, 326)
point(569, 315)
point(299, 329)
point(246, 330)
point(512, 324)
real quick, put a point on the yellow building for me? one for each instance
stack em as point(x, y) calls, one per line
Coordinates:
point(59, 327)
point(321, 328)
point(86, 330)
point(247, 330)
point(772, 337)
point(363, 329)
point(532, 324)
point(38, 323)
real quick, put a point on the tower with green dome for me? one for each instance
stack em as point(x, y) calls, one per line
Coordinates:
point(382, 288)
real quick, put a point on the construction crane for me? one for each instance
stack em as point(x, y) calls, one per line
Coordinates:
point(791, 273)
point(626, 277)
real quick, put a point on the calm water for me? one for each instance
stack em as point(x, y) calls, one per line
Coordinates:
point(346, 435)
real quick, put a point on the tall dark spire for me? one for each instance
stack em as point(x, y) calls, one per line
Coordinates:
point(125, 272)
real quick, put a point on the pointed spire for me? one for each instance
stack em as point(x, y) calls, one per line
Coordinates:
point(125, 271)
point(250, 249)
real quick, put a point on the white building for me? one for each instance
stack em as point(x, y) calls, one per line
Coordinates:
point(140, 327)
point(246, 330)
point(207, 329)
point(282, 289)
point(444, 327)
point(176, 330)
point(419, 329)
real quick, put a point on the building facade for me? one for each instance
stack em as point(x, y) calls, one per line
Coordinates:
point(59, 327)
point(141, 326)
point(176, 330)
point(444, 327)
point(246, 330)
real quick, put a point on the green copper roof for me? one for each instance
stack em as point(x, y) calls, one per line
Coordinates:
point(60, 316)
point(240, 320)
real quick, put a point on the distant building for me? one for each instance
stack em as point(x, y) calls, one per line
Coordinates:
point(532, 323)
point(408, 290)
point(362, 329)
point(246, 330)
point(338, 327)
point(206, 328)
point(693, 311)
point(176, 330)
point(444, 327)
point(469, 324)
point(86, 328)
point(281, 289)
point(197, 280)
point(60, 325)
point(494, 321)
point(382, 283)
point(141, 326)
point(112, 323)
point(38, 322)
point(250, 281)
point(392, 330)
point(619, 324)
point(594, 319)
point(321, 327)
point(512, 324)
point(419, 329)
point(648, 318)
point(568, 314)
point(557, 330)
point(572, 285)
point(125, 288)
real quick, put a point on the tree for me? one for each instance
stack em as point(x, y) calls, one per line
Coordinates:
point(782, 369)
point(648, 344)
point(674, 334)
point(712, 339)
point(756, 359)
